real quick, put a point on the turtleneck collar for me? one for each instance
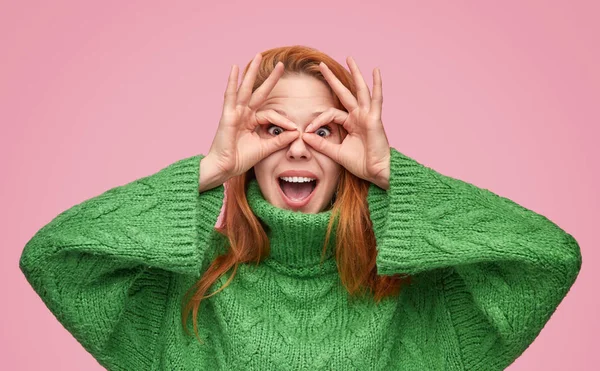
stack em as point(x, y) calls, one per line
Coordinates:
point(296, 238)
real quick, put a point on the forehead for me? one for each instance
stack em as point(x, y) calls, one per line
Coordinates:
point(298, 92)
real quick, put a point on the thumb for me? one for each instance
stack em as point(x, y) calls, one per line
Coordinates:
point(273, 144)
point(324, 146)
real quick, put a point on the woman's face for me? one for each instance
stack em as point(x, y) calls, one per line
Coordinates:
point(298, 177)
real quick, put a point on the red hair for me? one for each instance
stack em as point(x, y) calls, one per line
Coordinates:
point(355, 240)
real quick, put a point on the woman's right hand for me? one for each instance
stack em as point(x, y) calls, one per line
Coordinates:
point(237, 146)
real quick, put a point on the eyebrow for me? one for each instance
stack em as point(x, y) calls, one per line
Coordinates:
point(314, 114)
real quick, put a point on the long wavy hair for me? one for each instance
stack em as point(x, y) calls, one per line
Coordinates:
point(354, 239)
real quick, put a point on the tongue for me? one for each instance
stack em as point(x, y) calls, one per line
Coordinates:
point(297, 191)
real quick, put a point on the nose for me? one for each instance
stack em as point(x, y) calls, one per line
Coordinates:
point(298, 150)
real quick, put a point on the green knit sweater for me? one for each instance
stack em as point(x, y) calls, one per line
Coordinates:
point(487, 275)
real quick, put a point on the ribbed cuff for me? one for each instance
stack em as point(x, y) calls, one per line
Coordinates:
point(192, 215)
point(393, 212)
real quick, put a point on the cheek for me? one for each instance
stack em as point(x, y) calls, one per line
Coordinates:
point(264, 170)
point(334, 168)
point(330, 168)
point(260, 170)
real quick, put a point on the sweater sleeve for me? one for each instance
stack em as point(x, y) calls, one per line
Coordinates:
point(508, 268)
point(103, 267)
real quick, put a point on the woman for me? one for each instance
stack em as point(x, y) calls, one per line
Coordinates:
point(336, 251)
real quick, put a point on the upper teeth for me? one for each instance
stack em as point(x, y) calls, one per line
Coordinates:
point(297, 179)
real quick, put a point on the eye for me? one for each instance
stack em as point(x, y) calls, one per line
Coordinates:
point(323, 131)
point(274, 130)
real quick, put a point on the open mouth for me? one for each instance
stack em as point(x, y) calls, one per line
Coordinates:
point(297, 189)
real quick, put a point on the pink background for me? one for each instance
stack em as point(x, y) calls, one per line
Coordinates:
point(97, 95)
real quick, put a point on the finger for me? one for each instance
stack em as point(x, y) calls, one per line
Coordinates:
point(260, 94)
point(362, 89)
point(272, 117)
point(340, 90)
point(377, 101)
point(230, 92)
point(330, 115)
point(248, 82)
point(280, 141)
point(322, 145)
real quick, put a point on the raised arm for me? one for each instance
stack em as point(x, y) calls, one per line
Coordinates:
point(509, 267)
point(102, 267)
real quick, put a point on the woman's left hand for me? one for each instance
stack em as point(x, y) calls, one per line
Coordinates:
point(365, 150)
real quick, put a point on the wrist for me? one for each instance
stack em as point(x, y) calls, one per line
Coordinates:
point(383, 181)
point(383, 178)
point(210, 176)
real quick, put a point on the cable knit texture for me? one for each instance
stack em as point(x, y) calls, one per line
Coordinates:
point(487, 275)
